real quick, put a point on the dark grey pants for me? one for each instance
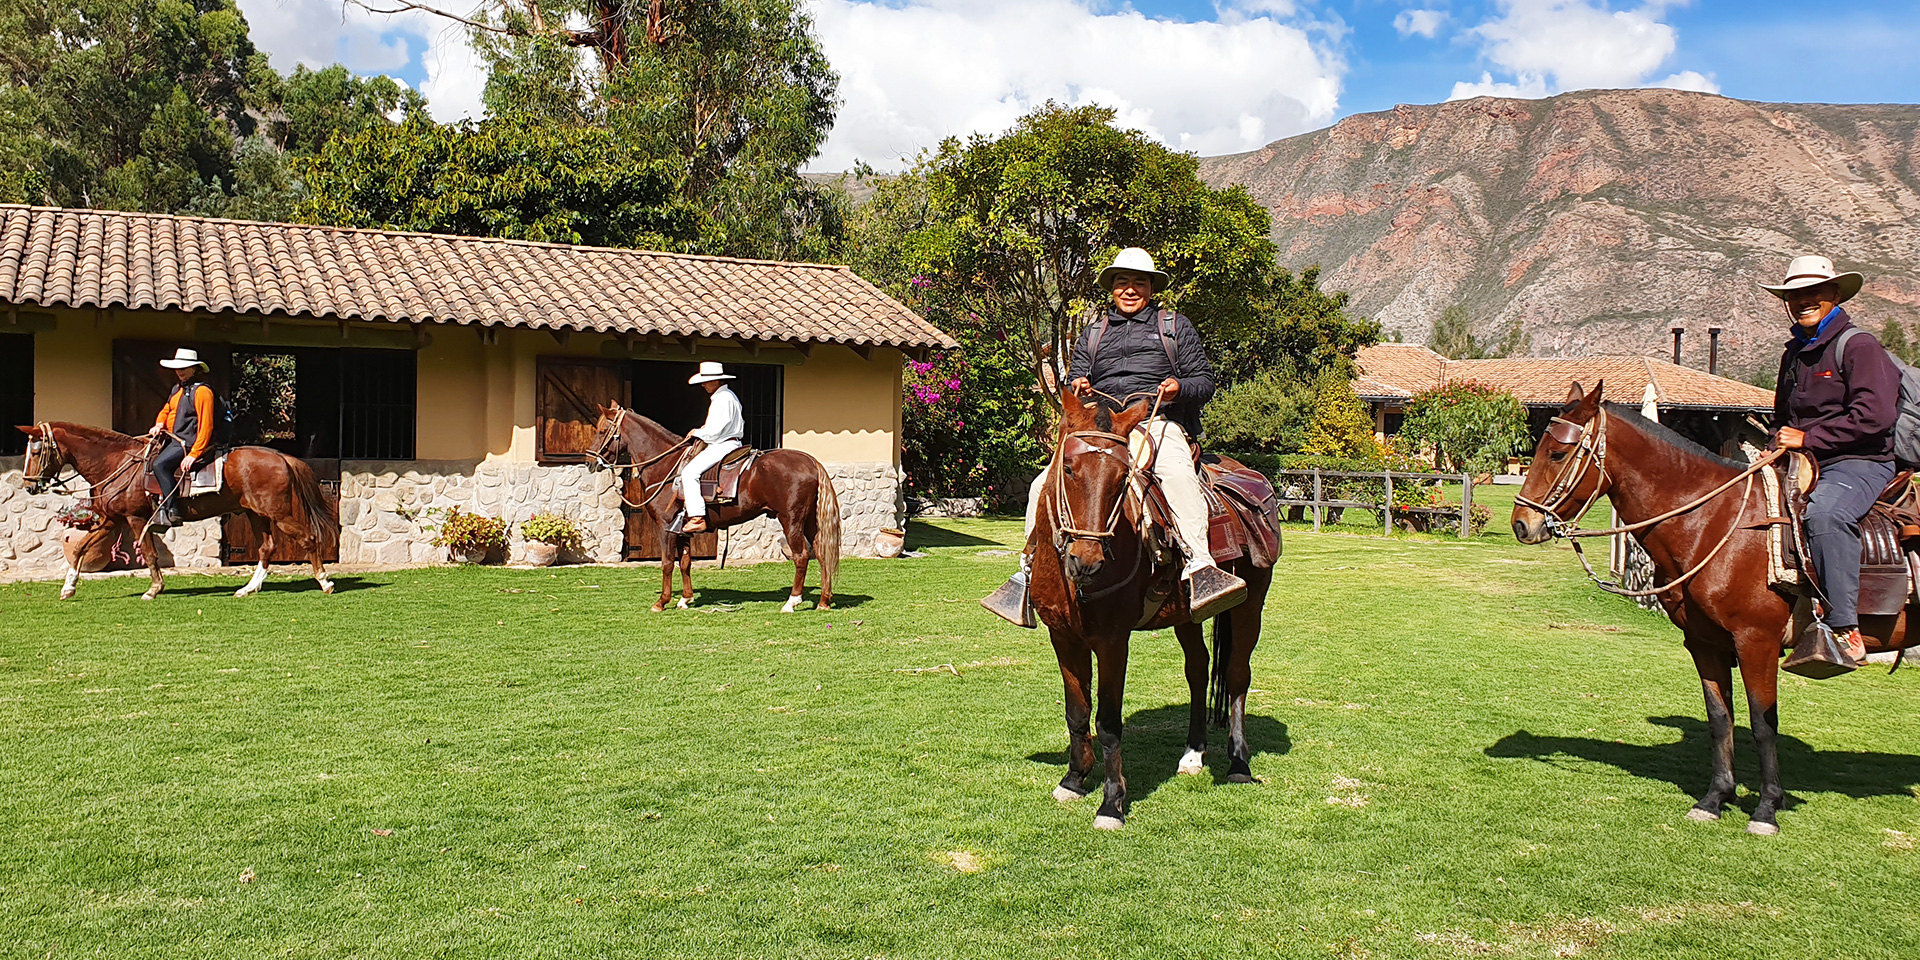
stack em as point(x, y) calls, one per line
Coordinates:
point(1845, 493)
point(165, 465)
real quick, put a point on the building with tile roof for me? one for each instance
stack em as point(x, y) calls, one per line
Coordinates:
point(424, 370)
point(1709, 409)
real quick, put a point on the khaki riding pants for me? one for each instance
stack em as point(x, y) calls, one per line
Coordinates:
point(1178, 480)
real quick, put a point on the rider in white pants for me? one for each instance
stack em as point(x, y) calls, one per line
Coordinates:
point(726, 424)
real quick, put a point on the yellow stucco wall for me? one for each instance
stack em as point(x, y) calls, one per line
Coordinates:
point(476, 399)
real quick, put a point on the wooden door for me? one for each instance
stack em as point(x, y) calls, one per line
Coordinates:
point(237, 545)
point(141, 385)
point(568, 399)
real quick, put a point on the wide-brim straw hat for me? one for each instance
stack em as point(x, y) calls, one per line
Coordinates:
point(710, 370)
point(1811, 271)
point(184, 358)
point(1136, 260)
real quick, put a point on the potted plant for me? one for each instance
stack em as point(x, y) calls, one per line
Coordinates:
point(547, 534)
point(469, 537)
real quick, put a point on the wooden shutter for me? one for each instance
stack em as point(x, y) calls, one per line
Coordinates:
point(568, 400)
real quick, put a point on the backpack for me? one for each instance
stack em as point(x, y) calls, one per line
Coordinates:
point(1906, 428)
point(1165, 318)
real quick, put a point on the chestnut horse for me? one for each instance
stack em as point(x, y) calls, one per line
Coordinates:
point(1094, 572)
point(1711, 555)
point(277, 493)
point(790, 485)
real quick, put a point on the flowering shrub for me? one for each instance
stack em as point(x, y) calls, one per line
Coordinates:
point(553, 528)
point(460, 530)
point(1470, 427)
point(77, 516)
point(969, 420)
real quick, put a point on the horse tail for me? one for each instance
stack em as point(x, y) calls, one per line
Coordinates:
point(1222, 654)
point(826, 516)
point(320, 512)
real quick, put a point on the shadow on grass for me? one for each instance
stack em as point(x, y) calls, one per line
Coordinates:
point(921, 535)
point(1686, 763)
point(705, 596)
point(277, 583)
point(1152, 742)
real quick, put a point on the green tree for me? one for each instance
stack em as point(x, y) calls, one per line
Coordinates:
point(1894, 338)
point(1023, 222)
point(315, 106)
point(499, 178)
point(1452, 337)
point(1266, 413)
point(1340, 426)
point(1470, 427)
point(1296, 325)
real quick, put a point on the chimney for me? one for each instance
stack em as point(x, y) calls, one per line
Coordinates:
point(1677, 331)
point(1713, 350)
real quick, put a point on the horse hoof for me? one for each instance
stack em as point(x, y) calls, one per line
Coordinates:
point(327, 588)
point(1192, 762)
point(66, 594)
point(1064, 795)
point(1239, 778)
point(1761, 828)
point(1698, 815)
point(824, 606)
point(792, 604)
point(658, 607)
point(148, 596)
point(683, 604)
point(1108, 823)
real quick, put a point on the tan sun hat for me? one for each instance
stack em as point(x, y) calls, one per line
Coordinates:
point(184, 358)
point(1811, 271)
point(710, 370)
point(1137, 261)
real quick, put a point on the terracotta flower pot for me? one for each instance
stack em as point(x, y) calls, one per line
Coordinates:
point(88, 549)
point(468, 554)
point(889, 542)
point(542, 554)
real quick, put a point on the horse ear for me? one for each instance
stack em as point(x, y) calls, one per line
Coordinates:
point(1125, 420)
point(1575, 394)
point(1594, 397)
point(29, 431)
point(603, 409)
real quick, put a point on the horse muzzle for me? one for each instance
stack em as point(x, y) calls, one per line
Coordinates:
point(1530, 526)
point(36, 487)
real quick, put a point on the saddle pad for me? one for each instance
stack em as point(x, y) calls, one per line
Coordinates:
point(1783, 564)
point(1886, 577)
point(1246, 496)
point(210, 477)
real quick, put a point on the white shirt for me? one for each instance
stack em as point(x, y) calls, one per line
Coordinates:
point(726, 419)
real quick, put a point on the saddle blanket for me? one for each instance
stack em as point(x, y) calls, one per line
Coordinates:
point(210, 477)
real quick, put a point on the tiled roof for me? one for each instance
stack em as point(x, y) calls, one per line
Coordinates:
point(1544, 381)
point(98, 258)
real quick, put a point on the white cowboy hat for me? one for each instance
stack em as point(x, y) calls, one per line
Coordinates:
point(184, 358)
point(1812, 271)
point(710, 370)
point(1136, 260)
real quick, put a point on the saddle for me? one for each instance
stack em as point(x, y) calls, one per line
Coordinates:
point(1889, 539)
point(721, 482)
point(209, 476)
point(1243, 513)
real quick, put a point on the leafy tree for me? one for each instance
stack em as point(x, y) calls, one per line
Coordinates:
point(1340, 426)
point(499, 179)
point(1894, 338)
point(1024, 221)
point(1267, 413)
point(1453, 338)
point(1298, 324)
point(1471, 427)
point(315, 106)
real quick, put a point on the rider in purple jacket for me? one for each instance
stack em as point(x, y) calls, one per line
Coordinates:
point(1841, 411)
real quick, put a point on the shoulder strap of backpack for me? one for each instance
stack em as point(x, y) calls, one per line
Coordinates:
point(1166, 338)
point(1093, 345)
point(1840, 344)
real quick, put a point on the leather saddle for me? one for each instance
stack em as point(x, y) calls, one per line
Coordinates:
point(721, 482)
point(1889, 543)
point(1243, 513)
point(209, 476)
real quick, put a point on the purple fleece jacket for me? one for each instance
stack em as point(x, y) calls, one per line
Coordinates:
point(1847, 411)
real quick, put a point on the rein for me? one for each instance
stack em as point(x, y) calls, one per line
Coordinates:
point(96, 492)
point(1591, 453)
point(613, 437)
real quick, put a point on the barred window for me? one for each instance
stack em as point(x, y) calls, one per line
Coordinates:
point(16, 391)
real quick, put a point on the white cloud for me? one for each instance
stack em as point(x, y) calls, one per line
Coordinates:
point(318, 33)
point(1426, 23)
point(1550, 46)
point(917, 71)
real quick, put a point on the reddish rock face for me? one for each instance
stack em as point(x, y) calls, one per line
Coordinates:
point(1599, 219)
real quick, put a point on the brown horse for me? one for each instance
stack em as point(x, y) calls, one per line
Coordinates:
point(1094, 581)
point(1712, 553)
point(277, 493)
point(790, 485)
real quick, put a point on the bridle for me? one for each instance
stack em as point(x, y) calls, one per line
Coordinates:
point(612, 441)
point(1080, 443)
point(1590, 453)
point(55, 479)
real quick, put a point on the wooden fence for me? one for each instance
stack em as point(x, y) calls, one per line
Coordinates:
point(1310, 491)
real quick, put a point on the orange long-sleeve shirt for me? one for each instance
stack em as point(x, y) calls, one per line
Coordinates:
point(202, 417)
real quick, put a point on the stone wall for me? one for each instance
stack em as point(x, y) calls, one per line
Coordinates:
point(385, 513)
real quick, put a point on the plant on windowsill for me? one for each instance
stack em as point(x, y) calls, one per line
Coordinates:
point(547, 534)
point(468, 537)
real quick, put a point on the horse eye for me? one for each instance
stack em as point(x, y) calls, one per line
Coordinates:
point(1069, 467)
point(1557, 456)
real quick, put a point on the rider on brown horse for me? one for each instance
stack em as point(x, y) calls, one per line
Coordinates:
point(187, 425)
point(726, 424)
point(1838, 401)
point(1140, 347)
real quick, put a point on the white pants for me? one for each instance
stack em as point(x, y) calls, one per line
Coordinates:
point(690, 474)
point(1178, 480)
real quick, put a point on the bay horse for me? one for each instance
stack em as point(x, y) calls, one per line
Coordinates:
point(1093, 572)
point(790, 485)
point(277, 493)
point(1701, 519)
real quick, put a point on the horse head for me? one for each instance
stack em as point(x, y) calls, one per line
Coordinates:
point(1093, 470)
point(606, 438)
point(1569, 469)
point(45, 459)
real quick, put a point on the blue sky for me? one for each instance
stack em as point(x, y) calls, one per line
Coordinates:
point(1219, 76)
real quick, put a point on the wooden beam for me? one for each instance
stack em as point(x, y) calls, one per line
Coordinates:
point(691, 343)
point(13, 314)
point(560, 335)
point(753, 348)
point(805, 347)
point(864, 350)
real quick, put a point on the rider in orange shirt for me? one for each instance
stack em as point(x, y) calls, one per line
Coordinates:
point(186, 423)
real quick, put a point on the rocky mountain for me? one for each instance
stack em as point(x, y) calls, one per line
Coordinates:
point(1600, 219)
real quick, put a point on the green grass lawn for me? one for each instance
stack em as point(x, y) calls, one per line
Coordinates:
point(1464, 750)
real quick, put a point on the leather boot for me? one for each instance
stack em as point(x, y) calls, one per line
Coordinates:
point(1212, 591)
point(1010, 602)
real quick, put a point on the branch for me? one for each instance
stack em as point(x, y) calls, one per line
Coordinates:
point(403, 6)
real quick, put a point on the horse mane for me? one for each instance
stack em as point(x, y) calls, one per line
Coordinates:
point(1666, 435)
point(96, 434)
point(651, 424)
